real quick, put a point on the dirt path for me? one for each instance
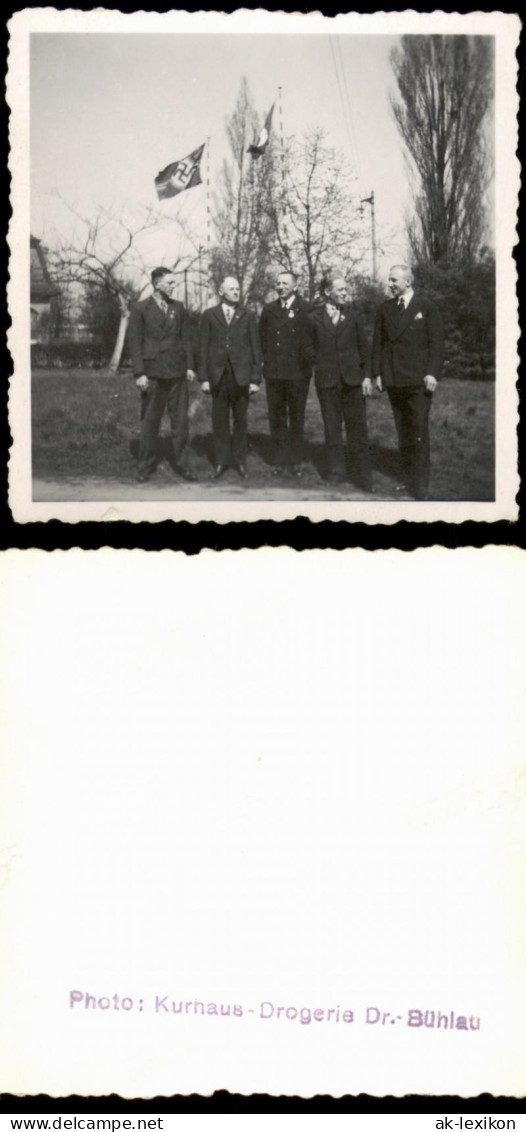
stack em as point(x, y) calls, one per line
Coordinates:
point(92, 489)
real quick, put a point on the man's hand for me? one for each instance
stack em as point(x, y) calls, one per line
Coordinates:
point(367, 387)
point(430, 382)
point(253, 389)
point(142, 383)
point(379, 384)
point(205, 386)
point(190, 376)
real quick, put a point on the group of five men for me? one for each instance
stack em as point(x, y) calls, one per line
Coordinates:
point(293, 340)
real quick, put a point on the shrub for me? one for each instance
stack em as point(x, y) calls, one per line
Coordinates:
point(465, 295)
point(68, 355)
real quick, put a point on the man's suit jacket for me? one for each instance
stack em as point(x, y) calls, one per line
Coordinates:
point(160, 344)
point(284, 336)
point(236, 342)
point(339, 352)
point(410, 345)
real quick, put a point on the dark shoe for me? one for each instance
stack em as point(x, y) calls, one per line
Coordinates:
point(185, 475)
point(218, 471)
point(242, 471)
point(142, 477)
point(368, 489)
point(334, 477)
point(296, 470)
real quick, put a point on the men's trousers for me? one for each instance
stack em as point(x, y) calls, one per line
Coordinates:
point(346, 404)
point(411, 406)
point(161, 394)
point(229, 396)
point(286, 401)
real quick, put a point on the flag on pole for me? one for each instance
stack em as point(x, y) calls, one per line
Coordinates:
point(180, 175)
point(261, 143)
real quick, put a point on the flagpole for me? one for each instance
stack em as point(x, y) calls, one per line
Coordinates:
point(282, 148)
point(208, 193)
point(281, 141)
point(208, 226)
point(174, 179)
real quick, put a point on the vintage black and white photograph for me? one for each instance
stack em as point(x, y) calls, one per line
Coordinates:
point(262, 266)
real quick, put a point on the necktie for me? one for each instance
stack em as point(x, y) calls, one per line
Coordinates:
point(228, 314)
point(401, 305)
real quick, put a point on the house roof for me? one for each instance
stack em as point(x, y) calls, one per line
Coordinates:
point(42, 288)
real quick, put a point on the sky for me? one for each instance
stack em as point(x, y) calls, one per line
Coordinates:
point(109, 111)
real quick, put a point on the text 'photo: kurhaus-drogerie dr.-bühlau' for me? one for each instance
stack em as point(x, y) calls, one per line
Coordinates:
point(249, 284)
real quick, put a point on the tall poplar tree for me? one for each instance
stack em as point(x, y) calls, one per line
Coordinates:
point(445, 89)
point(241, 218)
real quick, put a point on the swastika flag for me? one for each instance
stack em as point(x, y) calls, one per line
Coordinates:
point(260, 144)
point(180, 175)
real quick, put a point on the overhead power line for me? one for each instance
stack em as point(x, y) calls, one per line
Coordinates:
point(349, 105)
point(345, 100)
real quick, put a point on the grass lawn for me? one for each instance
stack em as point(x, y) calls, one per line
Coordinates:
point(84, 424)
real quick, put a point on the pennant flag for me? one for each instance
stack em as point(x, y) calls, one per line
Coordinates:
point(180, 175)
point(259, 146)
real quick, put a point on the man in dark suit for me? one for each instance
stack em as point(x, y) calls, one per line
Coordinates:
point(408, 352)
point(162, 358)
point(230, 370)
point(339, 352)
point(284, 333)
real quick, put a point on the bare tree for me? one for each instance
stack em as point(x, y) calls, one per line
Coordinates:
point(315, 215)
point(105, 253)
point(445, 90)
point(294, 206)
point(241, 216)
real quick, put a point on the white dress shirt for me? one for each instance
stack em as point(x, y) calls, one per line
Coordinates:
point(405, 299)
